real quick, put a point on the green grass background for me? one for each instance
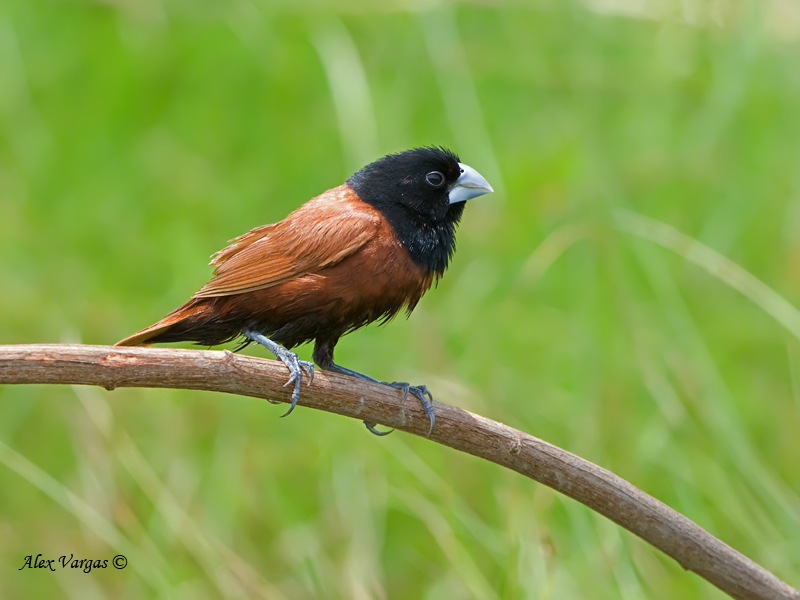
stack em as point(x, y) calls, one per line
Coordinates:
point(137, 136)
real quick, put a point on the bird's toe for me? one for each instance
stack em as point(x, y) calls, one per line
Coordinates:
point(295, 398)
point(424, 395)
point(371, 428)
point(309, 367)
point(402, 385)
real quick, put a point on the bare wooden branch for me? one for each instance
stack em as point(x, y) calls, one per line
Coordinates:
point(694, 548)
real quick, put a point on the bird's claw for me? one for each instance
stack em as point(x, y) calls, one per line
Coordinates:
point(309, 367)
point(423, 394)
point(371, 428)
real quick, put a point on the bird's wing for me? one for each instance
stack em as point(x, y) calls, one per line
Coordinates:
point(319, 234)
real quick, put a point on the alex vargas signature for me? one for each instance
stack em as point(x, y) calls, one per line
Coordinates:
point(85, 564)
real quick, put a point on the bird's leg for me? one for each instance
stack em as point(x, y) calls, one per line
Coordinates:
point(289, 358)
point(323, 356)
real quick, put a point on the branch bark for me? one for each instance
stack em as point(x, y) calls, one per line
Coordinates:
point(689, 544)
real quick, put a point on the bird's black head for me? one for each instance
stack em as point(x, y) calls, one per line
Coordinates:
point(421, 193)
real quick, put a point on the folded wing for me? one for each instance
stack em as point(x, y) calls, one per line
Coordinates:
point(319, 234)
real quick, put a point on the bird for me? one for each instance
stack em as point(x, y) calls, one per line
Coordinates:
point(358, 253)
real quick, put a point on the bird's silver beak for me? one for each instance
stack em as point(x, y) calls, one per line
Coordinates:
point(470, 184)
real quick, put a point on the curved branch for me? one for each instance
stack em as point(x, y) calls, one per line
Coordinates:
point(693, 547)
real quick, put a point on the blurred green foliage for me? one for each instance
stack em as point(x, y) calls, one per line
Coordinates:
point(136, 137)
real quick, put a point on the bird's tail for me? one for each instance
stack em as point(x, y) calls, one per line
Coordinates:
point(182, 324)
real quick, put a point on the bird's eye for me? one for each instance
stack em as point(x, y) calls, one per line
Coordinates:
point(434, 178)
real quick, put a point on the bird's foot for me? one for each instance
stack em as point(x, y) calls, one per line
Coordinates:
point(423, 394)
point(420, 391)
point(296, 366)
point(288, 358)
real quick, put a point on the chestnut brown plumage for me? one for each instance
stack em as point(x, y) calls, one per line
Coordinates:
point(358, 253)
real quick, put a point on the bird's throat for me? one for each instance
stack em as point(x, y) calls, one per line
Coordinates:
point(431, 244)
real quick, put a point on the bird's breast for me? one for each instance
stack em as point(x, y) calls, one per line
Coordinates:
point(378, 281)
